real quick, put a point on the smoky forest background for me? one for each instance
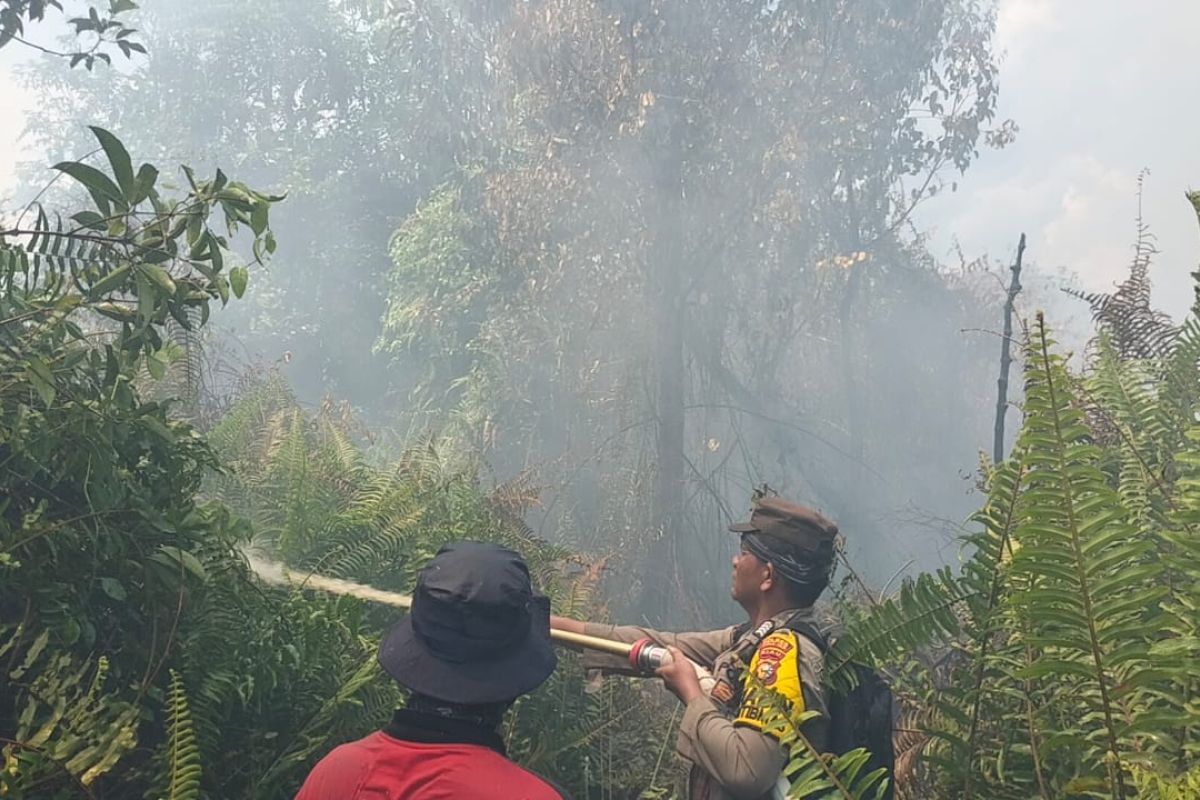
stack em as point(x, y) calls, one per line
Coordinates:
point(335, 282)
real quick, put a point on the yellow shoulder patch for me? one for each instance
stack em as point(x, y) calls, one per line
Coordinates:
point(771, 688)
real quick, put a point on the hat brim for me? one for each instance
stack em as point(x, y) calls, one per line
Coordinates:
point(403, 656)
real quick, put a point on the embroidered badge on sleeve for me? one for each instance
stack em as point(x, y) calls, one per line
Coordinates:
point(772, 685)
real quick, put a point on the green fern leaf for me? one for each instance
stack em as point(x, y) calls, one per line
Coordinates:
point(1081, 562)
point(183, 756)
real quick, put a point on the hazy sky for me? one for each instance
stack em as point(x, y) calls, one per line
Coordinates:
point(1100, 89)
point(13, 102)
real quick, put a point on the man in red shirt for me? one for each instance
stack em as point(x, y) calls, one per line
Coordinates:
point(477, 638)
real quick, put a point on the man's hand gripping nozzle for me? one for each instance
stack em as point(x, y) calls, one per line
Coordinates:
point(645, 656)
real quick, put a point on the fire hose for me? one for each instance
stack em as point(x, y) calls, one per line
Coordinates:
point(644, 656)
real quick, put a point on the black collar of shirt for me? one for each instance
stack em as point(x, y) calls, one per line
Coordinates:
point(414, 726)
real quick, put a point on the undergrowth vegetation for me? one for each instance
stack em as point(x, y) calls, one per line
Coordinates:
point(139, 654)
point(1063, 658)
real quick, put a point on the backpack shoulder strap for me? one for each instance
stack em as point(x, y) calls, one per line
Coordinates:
point(809, 631)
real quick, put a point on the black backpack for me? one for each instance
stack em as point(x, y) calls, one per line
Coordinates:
point(861, 717)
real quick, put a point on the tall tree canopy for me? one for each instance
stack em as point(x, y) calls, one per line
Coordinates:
point(685, 220)
point(628, 235)
point(304, 95)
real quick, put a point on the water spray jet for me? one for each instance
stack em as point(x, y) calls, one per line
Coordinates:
point(644, 656)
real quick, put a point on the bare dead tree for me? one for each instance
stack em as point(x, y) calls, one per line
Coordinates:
point(1014, 287)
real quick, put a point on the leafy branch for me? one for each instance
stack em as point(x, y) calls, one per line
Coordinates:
point(107, 31)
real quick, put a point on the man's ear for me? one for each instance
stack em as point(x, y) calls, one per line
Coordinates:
point(769, 579)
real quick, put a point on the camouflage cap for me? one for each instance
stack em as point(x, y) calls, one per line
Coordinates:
point(791, 524)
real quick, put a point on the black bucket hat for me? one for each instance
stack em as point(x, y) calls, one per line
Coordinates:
point(476, 633)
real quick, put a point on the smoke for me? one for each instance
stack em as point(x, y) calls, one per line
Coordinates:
point(660, 283)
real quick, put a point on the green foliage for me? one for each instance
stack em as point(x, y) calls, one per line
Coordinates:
point(96, 34)
point(438, 279)
point(598, 297)
point(102, 541)
point(1090, 584)
point(1151, 786)
point(1068, 641)
point(552, 360)
point(1078, 671)
point(121, 549)
point(923, 611)
point(128, 616)
point(316, 500)
point(183, 755)
point(352, 144)
point(813, 774)
point(66, 722)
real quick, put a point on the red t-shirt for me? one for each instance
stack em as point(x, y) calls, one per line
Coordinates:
point(380, 767)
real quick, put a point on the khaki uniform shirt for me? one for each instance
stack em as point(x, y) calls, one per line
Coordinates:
point(732, 758)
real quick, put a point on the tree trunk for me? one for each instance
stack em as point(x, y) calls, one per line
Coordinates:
point(667, 586)
point(664, 582)
point(850, 388)
point(1006, 357)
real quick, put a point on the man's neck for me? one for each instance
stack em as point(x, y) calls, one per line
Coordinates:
point(488, 717)
point(421, 726)
point(769, 606)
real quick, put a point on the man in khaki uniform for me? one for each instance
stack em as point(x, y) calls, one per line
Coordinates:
point(783, 565)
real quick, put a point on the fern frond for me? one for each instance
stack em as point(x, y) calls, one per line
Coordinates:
point(348, 458)
point(1137, 330)
point(1179, 391)
point(314, 735)
point(239, 436)
point(183, 756)
point(65, 718)
point(923, 612)
point(825, 775)
point(1152, 785)
point(1178, 655)
point(809, 772)
point(1092, 590)
point(985, 573)
point(1123, 399)
point(517, 495)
